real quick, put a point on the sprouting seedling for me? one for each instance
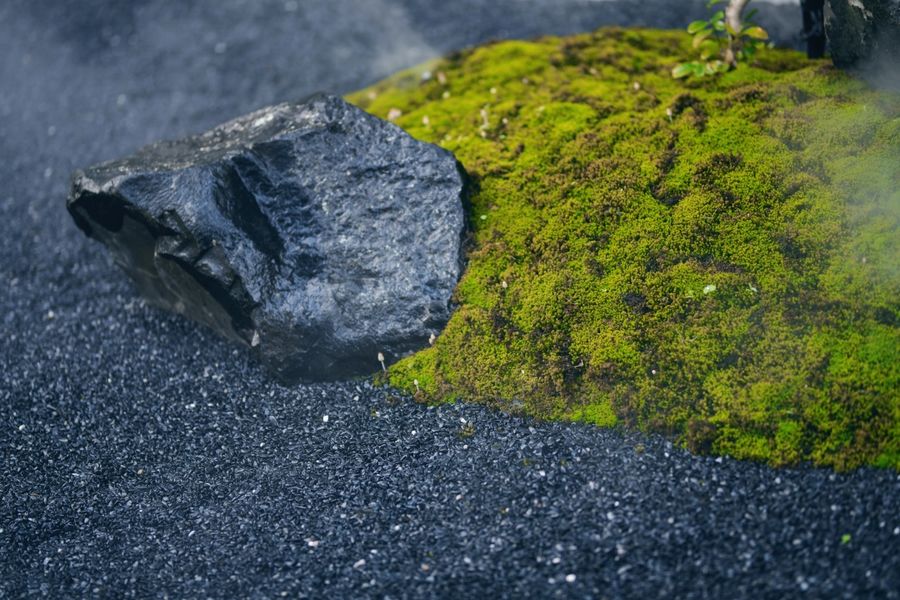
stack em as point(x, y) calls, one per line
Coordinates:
point(381, 360)
point(416, 383)
point(723, 40)
point(431, 339)
point(467, 430)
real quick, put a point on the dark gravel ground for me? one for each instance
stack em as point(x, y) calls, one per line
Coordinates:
point(141, 456)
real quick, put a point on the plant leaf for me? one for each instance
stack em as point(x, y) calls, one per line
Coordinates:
point(730, 30)
point(708, 48)
point(697, 26)
point(699, 37)
point(756, 32)
point(718, 15)
point(682, 70)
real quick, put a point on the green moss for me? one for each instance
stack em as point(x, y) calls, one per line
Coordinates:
point(714, 260)
point(600, 412)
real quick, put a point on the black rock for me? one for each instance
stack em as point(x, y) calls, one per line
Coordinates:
point(313, 232)
point(864, 35)
point(814, 27)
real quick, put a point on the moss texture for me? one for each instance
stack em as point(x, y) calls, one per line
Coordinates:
point(714, 260)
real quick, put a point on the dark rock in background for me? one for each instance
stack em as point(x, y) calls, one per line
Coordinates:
point(814, 27)
point(864, 35)
point(312, 232)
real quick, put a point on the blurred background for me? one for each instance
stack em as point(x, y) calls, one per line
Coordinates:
point(144, 69)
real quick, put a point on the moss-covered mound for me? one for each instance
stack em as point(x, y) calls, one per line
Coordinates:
point(716, 260)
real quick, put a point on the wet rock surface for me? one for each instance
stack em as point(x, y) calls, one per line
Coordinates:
point(313, 232)
point(864, 35)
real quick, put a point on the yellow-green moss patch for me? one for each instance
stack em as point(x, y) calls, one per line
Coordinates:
point(714, 260)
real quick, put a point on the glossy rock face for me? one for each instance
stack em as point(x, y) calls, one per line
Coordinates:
point(865, 34)
point(313, 232)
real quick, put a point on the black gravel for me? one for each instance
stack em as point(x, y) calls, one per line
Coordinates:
point(142, 456)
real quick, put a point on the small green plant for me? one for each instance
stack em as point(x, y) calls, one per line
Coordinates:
point(723, 40)
point(466, 431)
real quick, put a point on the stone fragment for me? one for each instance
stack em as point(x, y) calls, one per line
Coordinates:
point(312, 232)
point(864, 35)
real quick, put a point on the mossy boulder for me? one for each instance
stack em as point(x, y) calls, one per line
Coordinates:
point(713, 260)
